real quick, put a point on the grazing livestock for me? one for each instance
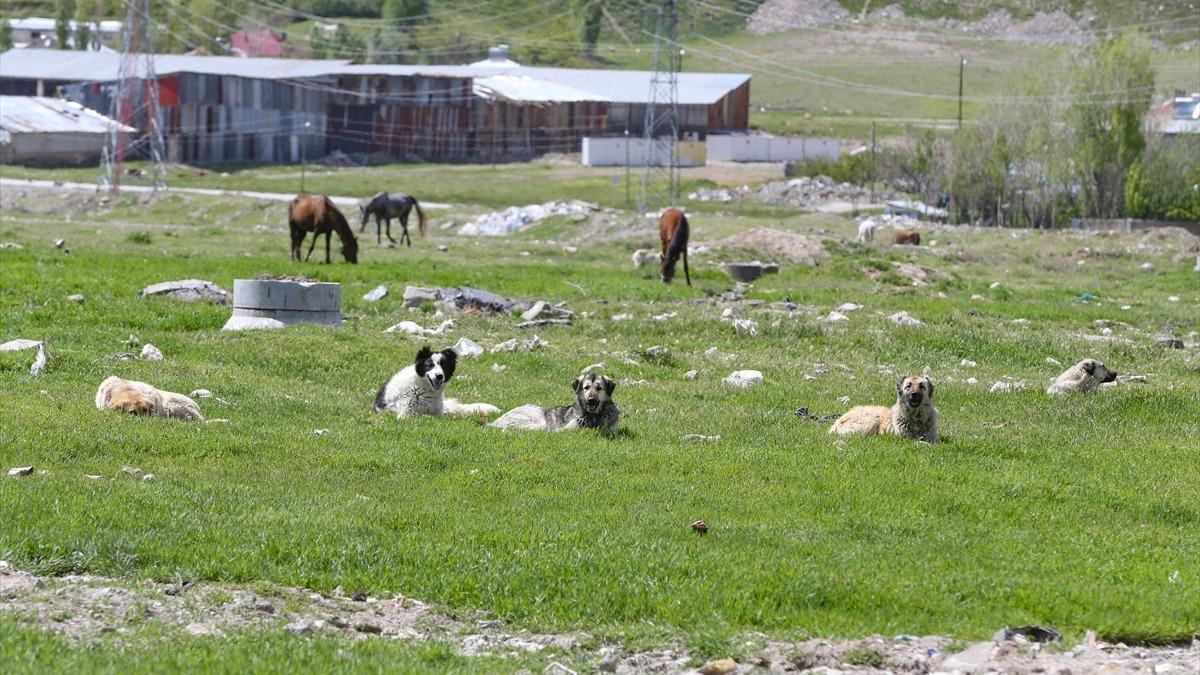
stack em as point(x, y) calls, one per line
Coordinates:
point(673, 230)
point(385, 207)
point(906, 235)
point(317, 214)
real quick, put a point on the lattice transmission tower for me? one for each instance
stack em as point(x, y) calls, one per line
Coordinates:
point(135, 104)
point(660, 173)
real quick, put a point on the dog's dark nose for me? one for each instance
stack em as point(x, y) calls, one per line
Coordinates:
point(1112, 375)
point(914, 399)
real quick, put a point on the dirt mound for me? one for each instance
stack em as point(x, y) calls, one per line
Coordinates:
point(767, 243)
point(774, 16)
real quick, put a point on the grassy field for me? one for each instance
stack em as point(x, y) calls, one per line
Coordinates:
point(1077, 512)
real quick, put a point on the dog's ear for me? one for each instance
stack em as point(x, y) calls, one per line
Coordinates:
point(449, 360)
point(929, 383)
point(609, 384)
point(577, 383)
point(1089, 366)
point(423, 355)
point(900, 386)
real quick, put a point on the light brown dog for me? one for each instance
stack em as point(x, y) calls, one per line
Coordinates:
point(906, 235)
point(1085, 376)
point(912, 416)
point(139, 398)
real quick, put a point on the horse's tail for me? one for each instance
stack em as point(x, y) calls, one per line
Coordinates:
point(420, 215)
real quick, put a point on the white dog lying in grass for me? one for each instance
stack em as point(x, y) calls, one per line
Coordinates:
point(418, 389)
point(1085, 376)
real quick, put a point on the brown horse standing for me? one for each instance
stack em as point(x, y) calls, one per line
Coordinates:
point(317, 214)
point(673, 230)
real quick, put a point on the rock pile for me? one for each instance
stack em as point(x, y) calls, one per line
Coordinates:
point(514, 218)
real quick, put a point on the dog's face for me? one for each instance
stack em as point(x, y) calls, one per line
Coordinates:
point(132, 402)
point(915, 391)
point(1097, 370)
point(437, 367)
point(593, 391)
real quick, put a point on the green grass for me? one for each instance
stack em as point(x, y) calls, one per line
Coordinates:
point(1071, 512)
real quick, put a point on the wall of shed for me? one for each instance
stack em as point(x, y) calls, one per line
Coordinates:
point(50, 148)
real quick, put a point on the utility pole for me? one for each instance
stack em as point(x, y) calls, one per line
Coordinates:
point(627, 162)
point(303, 154)
point(661, 125)
point(962, 61)
point(872, 161)
point(136, 96)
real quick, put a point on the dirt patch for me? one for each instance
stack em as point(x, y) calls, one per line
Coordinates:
point(766, 243)
point(83, 607)
point(917, 275)
point(774, 16)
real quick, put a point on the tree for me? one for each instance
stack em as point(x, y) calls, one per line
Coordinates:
point(84, 16)
point(64, 10)
point(587, 14)
point(395, 11)
point(1112, 86)
point(6, 39)
point(347, 44)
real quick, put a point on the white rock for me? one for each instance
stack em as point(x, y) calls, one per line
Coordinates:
point(443, 248)
point(1020, 322)
point(731, 313)
point(904, 319)
point(39, 362)
point(712, 352)
point(1106, 331)
point(691, 374)
point(20, 471)
point(664, 317)
point(972, 380)
point(467, 347)
point(534, 343)
point(849, 307)
point(622, 317)
point(745, 326)
point(843, 399)
point(995, 285)
point(1173, 298)
point(1005, 386)
point(977, 296)
point(203, 630)
point(744, 378)
point(1148, 267)
point(967, 363)
point(201, 393)
point(834, 317)
point(148, 477)
point(320, 432)
point(506, 346)
point(409, 327)
point(75, 297)
point(498, 368)
point(698, 438)
point(570, 250)
point(594, 368)
point(151, 353)
point(1053, 361)
point(658, 352)
point(376, 293)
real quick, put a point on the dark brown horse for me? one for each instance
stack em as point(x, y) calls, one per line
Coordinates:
point(673, 230)
point(317, 214)
point(385, 207)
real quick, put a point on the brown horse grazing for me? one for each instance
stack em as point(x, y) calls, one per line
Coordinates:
point(317, 214)
point(673, 230)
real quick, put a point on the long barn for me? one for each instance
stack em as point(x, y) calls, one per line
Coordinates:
point(216, 109)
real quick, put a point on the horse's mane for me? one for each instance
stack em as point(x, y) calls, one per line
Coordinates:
point(339, 221)
point(678, 239)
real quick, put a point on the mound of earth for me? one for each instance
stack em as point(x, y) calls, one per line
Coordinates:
point(774, 16)
point(767, 243)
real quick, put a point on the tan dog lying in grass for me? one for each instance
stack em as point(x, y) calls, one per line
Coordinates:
point(1085, 376)
point(912, 416)
point(139, 398)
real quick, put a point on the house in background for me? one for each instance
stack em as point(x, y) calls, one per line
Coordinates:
point(1177, 117)
point(41, 130)
point(38, 32)
point(260, 42)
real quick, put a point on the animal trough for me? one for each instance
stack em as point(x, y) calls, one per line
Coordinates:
point(262, 303)
point(749, 271)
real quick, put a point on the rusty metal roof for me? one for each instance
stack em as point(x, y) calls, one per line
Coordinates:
point(40, 114)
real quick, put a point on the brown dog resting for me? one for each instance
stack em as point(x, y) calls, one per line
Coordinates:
point(139, 398)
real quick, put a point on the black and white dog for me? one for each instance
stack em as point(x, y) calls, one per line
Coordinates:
point(593, 409)
point(418, 389)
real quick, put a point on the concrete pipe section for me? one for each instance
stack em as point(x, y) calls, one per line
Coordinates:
point(261, 303)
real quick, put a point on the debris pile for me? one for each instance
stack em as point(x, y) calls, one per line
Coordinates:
point(515, 218)
point(188, 290)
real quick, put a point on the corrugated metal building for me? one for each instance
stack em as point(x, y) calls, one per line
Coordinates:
point(222, 109)
point(35, 130)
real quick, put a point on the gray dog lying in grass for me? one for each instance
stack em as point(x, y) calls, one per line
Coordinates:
point(1085, 376)
point(593, 409)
